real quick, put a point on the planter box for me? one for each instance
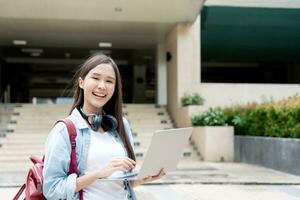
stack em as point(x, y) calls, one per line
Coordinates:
point(276, 153)
point(184, 114)
point(215, 143)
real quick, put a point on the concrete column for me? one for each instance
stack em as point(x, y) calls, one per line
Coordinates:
point(1, 80)
point(161, 90)
point(183, 69)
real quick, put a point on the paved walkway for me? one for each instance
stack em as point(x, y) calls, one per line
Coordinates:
point(219, 192)
point(204, 181)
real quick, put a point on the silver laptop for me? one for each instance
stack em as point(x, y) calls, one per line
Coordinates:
point(165, 150)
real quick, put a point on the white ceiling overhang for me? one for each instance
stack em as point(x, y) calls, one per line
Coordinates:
point(74, 23)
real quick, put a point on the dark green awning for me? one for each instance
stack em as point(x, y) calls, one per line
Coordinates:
point(239, 34)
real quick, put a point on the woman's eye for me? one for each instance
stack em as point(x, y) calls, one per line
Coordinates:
point(95, 78)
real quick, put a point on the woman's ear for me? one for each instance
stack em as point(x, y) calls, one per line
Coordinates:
point(80, 81)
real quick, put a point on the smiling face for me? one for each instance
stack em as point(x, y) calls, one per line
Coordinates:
point(98, 88)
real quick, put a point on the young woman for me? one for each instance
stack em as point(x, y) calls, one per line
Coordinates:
point(103, 143)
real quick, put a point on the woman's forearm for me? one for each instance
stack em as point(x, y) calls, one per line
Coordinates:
point(85, 180)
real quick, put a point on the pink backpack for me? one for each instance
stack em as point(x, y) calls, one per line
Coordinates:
point(34, 181)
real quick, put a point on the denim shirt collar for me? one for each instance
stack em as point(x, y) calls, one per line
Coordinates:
point(78, 119)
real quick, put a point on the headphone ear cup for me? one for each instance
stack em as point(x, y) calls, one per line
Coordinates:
point(97, 119)
point(109, 122)
point(96, 122)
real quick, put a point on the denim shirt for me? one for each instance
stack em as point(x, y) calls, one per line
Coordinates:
point(58, 183)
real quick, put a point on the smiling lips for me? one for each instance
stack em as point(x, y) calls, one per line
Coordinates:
point(100, 95)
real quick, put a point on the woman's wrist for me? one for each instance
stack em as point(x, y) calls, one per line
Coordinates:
point(135, 183)
point(99, 174)
point(87, 179)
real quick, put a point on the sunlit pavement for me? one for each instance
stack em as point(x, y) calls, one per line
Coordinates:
point(203, 181)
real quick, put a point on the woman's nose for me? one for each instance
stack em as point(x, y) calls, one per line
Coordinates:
point(101, 85)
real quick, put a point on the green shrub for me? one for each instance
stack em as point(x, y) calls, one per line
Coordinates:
point(212, 117)
point(191, 99)
point(271, 119)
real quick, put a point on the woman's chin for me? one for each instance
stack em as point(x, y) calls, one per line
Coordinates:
point(99, 104)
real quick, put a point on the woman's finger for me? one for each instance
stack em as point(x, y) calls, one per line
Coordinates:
point(127, 159)
point(122, 164)
point(160, 174)
point(129, 163)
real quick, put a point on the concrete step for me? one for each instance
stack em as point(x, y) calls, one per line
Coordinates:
point(21, 147)
point(34, 141)
point(25, 137)
point(42, 130)
point(20, 154)
point(154, 120)
point(8, 141)
point(52, 110)
point(33, 127)
point(133, 126)
point(44, 106)
point(53, 118)
point(67, 109)
point(47, 130)
point(44, 134)
point(32, 147)
point(19, 143)
point(137, 114)
point(125, 105)
point(38, 118)
point(141, 105)
point(150, 127)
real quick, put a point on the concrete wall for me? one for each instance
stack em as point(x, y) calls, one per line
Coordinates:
point(226, 94)
point(276, 153)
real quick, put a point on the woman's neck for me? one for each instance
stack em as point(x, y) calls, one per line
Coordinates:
point(88, 110)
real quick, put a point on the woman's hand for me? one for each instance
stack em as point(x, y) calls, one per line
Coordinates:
point(117, 164)
point(122, 164)
point(148, 179)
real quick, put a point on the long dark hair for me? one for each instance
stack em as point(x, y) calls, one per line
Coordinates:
point(114, 105)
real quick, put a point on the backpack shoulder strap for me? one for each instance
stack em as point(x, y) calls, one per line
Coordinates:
point(19, 192)
point(72, 135)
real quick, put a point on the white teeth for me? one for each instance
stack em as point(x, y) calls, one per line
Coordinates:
point(99, 95)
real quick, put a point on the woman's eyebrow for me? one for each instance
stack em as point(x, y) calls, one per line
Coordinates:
point(110, 77)
point(97, 74)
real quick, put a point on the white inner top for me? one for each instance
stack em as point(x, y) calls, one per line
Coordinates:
point(103, 148)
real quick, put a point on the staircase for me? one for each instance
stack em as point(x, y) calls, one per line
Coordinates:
point(30, 124)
